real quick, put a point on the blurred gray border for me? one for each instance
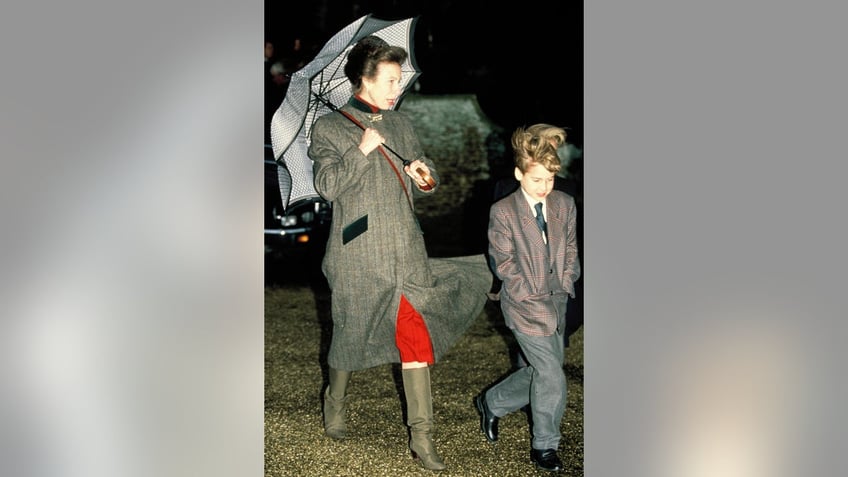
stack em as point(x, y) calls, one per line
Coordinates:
point(714, 233)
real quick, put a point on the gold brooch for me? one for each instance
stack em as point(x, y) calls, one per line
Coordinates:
point(375, 117)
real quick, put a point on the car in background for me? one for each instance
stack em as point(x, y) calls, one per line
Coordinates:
point(303, 227)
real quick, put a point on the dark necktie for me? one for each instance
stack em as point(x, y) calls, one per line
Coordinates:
point(540, 219)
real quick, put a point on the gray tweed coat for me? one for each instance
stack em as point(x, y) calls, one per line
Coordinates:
point(376, 250)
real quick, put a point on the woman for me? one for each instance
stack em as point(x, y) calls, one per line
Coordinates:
point(390, 302)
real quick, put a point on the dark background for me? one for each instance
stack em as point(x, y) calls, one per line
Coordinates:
point(523, 60)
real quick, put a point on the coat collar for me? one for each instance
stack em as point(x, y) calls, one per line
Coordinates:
point(373, 113)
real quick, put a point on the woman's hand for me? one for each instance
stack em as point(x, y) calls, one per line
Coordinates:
point(371, 139)
point(420, 173)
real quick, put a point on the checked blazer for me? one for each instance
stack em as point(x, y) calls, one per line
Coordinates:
point(537, 278)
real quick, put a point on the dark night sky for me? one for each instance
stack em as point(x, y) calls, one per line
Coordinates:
point(524, 61)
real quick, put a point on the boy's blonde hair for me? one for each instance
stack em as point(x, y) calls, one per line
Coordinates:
point(538, 144)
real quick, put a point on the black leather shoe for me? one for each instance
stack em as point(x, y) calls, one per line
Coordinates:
point(546, 459)
point(488, 421)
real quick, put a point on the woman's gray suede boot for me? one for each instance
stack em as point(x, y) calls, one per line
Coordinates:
point(335, 398)
point(419, 405)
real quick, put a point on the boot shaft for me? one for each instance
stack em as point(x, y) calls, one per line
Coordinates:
point(419, 399)
point(337, 387)
point(419, 407)
point(335, 397)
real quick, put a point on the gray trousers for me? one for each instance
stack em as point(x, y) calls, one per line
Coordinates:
point(541, 384)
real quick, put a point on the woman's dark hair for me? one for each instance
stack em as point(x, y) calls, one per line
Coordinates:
point(364, 57)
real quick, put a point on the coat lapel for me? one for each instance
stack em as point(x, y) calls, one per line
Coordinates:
point(526, 218)
point(556, 221)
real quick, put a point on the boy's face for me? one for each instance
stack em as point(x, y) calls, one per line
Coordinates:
point(537, 182)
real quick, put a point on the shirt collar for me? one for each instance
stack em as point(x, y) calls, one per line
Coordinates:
point(532, 202)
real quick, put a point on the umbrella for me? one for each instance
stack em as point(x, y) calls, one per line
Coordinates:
point(321, 87)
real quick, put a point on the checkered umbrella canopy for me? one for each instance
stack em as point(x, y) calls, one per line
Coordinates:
point(323, 81)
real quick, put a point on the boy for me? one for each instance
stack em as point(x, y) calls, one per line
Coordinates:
point(533, 243)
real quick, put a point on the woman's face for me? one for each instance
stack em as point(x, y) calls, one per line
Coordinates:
point(384, 88)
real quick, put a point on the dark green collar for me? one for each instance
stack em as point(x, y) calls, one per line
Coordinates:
point(361, 105)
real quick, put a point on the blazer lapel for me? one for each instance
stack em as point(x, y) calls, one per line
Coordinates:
point(556, 221)
point(526, 217)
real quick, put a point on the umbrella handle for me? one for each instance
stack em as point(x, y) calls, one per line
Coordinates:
point(430, 182)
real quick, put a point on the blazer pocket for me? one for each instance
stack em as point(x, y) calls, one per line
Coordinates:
point(354, 229)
